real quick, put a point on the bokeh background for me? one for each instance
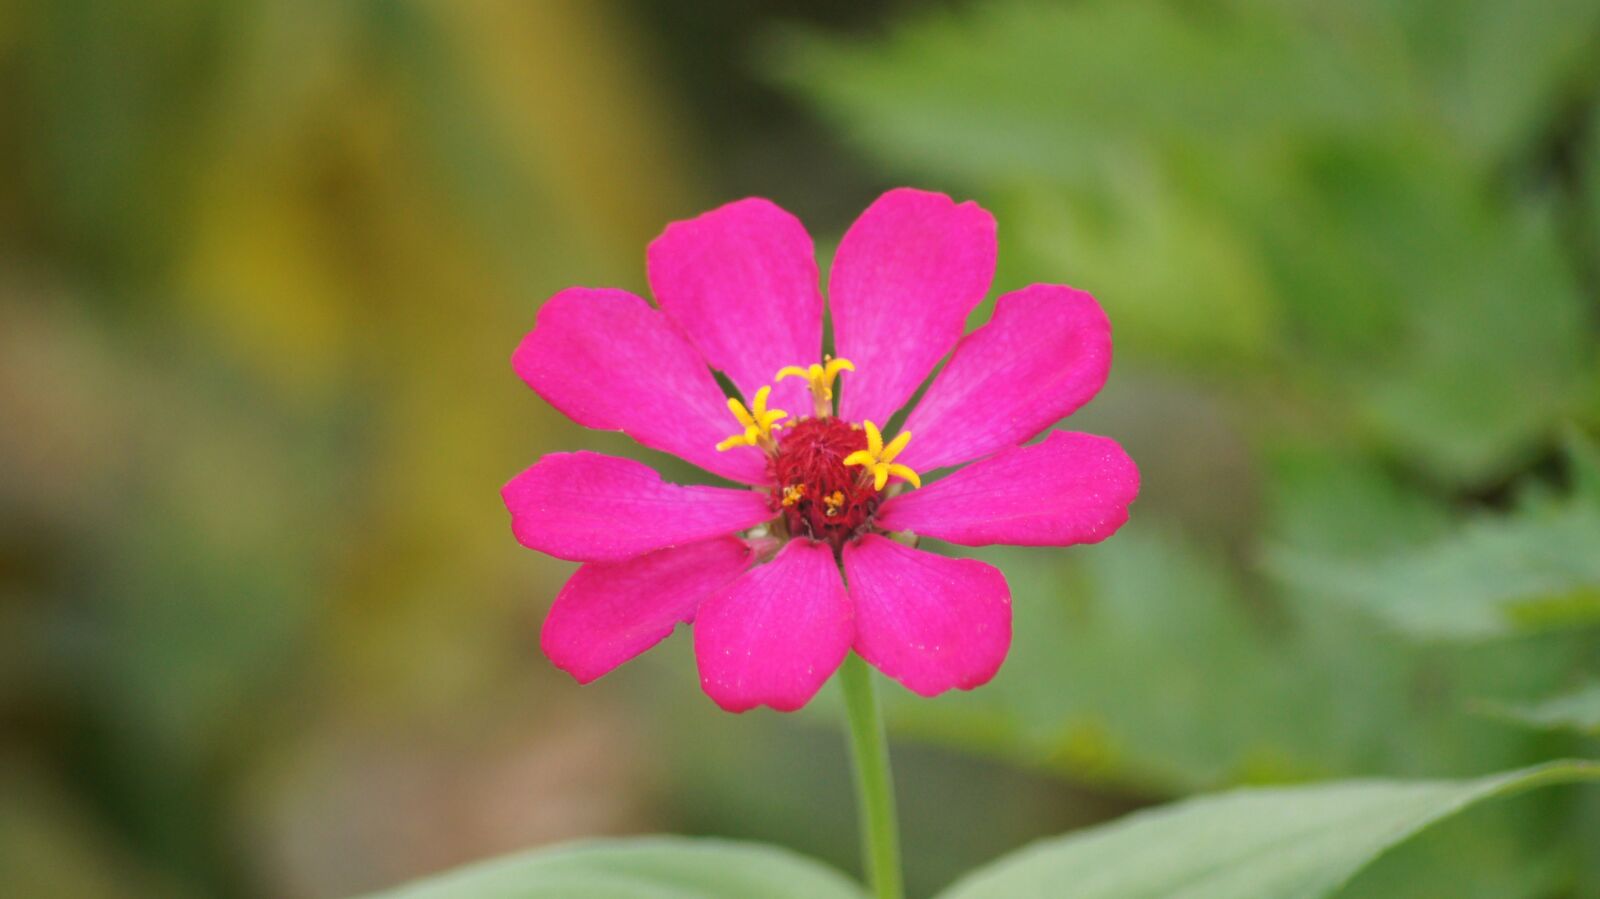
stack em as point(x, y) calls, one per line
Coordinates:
point(264, 630)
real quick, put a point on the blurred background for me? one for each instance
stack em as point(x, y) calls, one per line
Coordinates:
point(264, 630)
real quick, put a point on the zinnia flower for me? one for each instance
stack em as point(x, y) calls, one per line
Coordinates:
point(762, 573)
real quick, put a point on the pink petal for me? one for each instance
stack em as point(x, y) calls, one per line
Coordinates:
point(610, 612)
point(587, 507)
point(1046, 351)
point(1070, 488)
point(927, 621)
point(608, 360)
point(775, 635)
point(742, 282)
point(907, 274)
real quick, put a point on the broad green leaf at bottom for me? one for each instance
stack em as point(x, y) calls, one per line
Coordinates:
point(640, 868)
point(1281, 843)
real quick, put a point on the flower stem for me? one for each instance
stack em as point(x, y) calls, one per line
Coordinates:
point(869, 750)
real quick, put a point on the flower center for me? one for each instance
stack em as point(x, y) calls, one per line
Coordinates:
point(827, 475)
point(817, 494)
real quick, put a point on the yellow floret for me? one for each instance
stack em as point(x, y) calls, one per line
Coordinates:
point(879, 459)
point(758, 422)
point(820, 378)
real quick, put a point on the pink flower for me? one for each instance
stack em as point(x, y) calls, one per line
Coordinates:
point(762, 572)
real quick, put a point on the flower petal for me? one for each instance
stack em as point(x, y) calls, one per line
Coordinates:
point(742, 282)
point(906, 276)
point(1046, 351)
point(589, 507)
point(608, 360)
point(928, 621)
point(1070, 488)
point(775, 635)
point(610, 612)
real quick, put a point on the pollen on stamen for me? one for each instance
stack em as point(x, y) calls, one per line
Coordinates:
point(833, 503)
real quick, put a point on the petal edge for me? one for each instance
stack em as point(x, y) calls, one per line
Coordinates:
point(1069, 488)
point(907, 274)
point(774, 636)
point(741, 281)
point(930, 622)
point(610, 612)
point(590, 507)
point(609, 361)
point(1044, 353)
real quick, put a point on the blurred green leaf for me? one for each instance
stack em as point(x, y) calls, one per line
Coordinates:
point(1583, 458)
point(1267, 187)
point(1181, 280)
point(1018, 91)
point(1588, 203)
point(643, 868)
point(53, 847)
point(1491, 353)
point(1146, 663)
point(1079, 692)
point(1268, 843)
point(1577, 709)
point(1536, 569)
point(1499, 68)
point(1325, 501)
point(1524, 847)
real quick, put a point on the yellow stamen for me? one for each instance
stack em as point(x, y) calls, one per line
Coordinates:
point(820, 378)
point(758, 422)
point(879, 459)
point(792, 495)
point(833, 503)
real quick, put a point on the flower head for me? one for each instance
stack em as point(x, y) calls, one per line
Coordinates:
point(762, 571)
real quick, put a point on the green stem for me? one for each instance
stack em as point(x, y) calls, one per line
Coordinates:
point(869, 751)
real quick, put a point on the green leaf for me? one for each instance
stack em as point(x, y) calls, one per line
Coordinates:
point(1034, 90)
point(1149, 154)
point(1491, 354)
point(1496, 577)
point(1079, 694)
point(1500, 71)
point(1268, 843)
point(1577, 709)
point(1583, 463)
point(1143, 663)
point(1589, 203)
point(1181, 278)
point(640, 868)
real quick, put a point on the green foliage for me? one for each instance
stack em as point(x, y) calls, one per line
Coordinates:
point(1301, 842)
point(1361, 237)
point(1239, 695)
point(1268, 187)
point(1495, 577)
point(1534, 568)
point(1575, 709)
point(647, 868)
point(1272, 843)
